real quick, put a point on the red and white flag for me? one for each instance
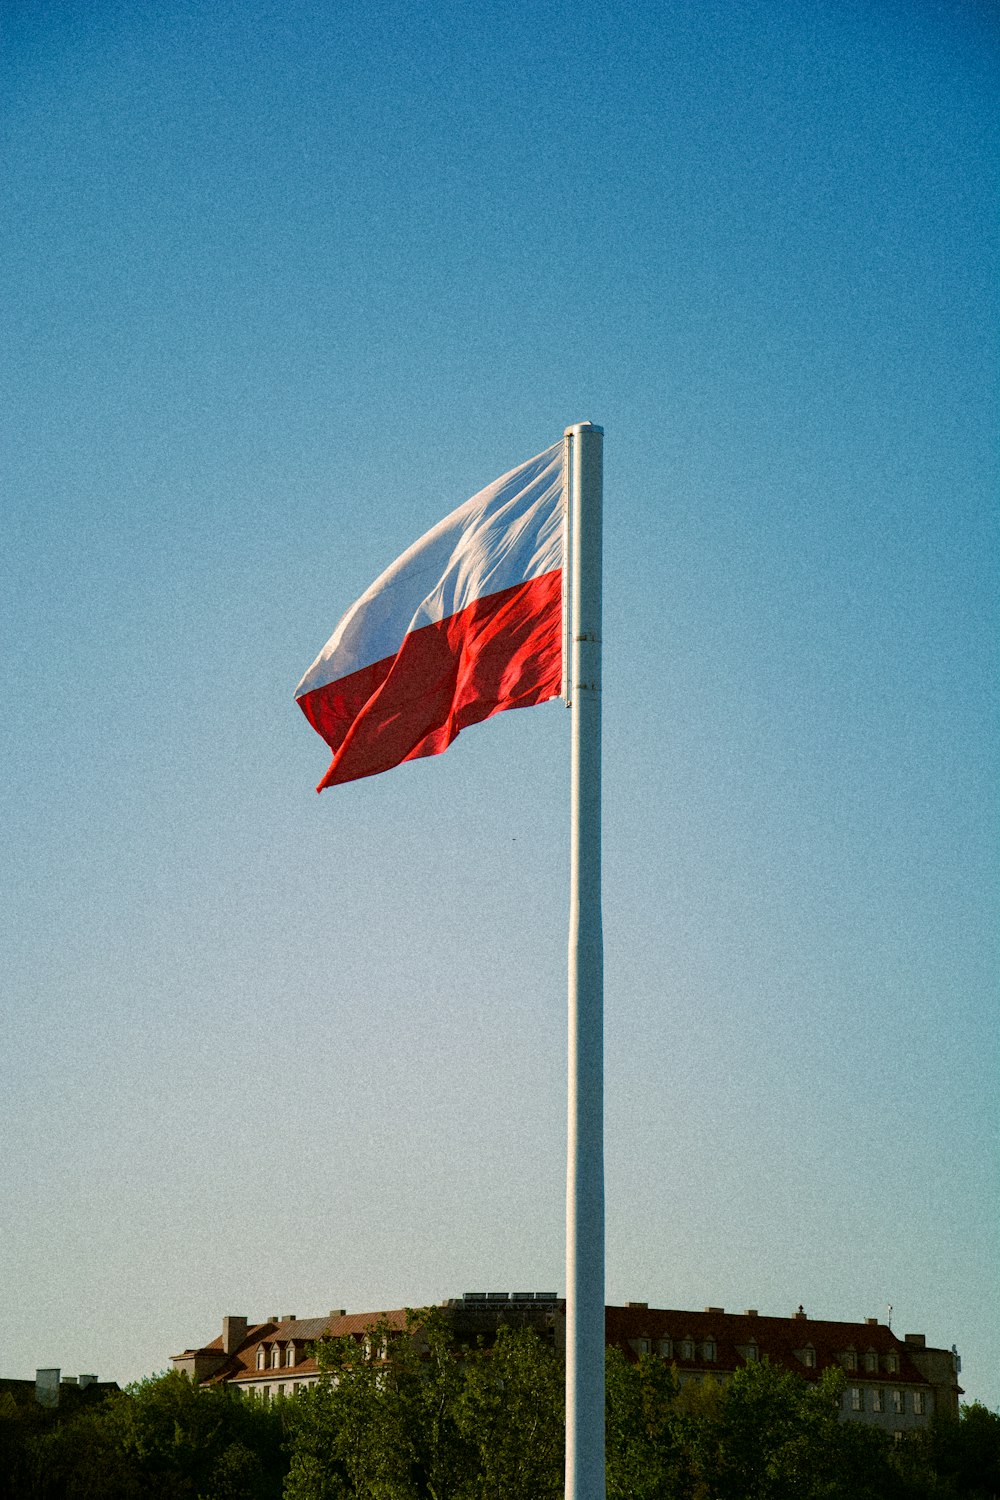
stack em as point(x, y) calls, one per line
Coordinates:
point(466, 623)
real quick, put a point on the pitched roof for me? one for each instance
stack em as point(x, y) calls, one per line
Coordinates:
point(242, 1364)
point(780, 1339)
point(214, 1346)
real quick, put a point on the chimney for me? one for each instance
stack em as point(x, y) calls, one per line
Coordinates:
point(715, 1309)
point(801, 1312)
point(642, 1305)
point(288, 1318)
point(871, 1322)
point(750, 1312)
point(918, 1340)
point(234, 1331)
point(85, 1380)
point(338, 1312)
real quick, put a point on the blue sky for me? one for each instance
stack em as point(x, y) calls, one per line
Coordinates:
point(283, 285)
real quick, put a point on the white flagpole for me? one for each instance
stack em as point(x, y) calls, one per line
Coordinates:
point(585, 1144)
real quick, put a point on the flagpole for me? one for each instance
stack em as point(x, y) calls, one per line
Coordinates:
point(585, 1142)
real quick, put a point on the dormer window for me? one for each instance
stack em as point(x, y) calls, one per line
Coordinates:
point(262, 1358)
point(809, 1358)
point(708, 1350)
point(751, 1353)
point(850, 1360)
point(276, 1358)
point(666, 1348)
point(290, 1355)
point(892, 1363)
point(871, 1361)
point(687, 1349)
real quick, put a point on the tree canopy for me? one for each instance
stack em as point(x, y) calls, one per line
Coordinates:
point(408, 1415)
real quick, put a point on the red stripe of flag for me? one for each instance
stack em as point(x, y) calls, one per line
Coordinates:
point(502, 651)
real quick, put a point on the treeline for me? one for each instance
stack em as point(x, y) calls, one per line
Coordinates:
point(405, 1418)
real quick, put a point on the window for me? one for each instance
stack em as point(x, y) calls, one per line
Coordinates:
point(666, 1348)
point(275, 1358)
point(891, 1363)
point(282, 1389)
point(919, 1404)
point(687, 1349)
point(850, 1360)
point(290, 1355)
point(856, 1398)
point(751, 1353)
point(878, 1399)
point(871, 1361)
point(262, 1358)
point(708, 1351)
point(897, 1403)
point(809, 1358)
point(642, 1346)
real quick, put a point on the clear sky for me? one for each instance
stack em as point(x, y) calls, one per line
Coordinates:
point(284, 283)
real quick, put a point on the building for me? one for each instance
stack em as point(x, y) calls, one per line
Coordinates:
point(53, 1390)
point(893, 1383)
point(272, 1358)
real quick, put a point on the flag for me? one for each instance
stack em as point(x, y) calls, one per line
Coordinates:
point(466, 623)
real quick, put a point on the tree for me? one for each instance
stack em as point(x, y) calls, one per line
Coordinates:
point(964, 1455)
point(161, 1439)
point(511, 1412)
point(191, 1440)
point(776, 1437)
point(653, 1429)
point(382, 1423)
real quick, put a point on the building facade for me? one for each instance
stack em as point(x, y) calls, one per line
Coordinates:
point(54, 1390)
point(272, 1358)
point(894, 1383)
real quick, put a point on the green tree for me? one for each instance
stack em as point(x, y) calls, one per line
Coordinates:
point(653, 1429)
point(161, 1439)
point(17, 1427)
point(382, 1423)
point(70, 1456)
point(411, 1417)
point(963, 1455)
point(776, 1436)
point(779, 1437)
point(179, 1435)
point(511, 1412)
point(341, 1442)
